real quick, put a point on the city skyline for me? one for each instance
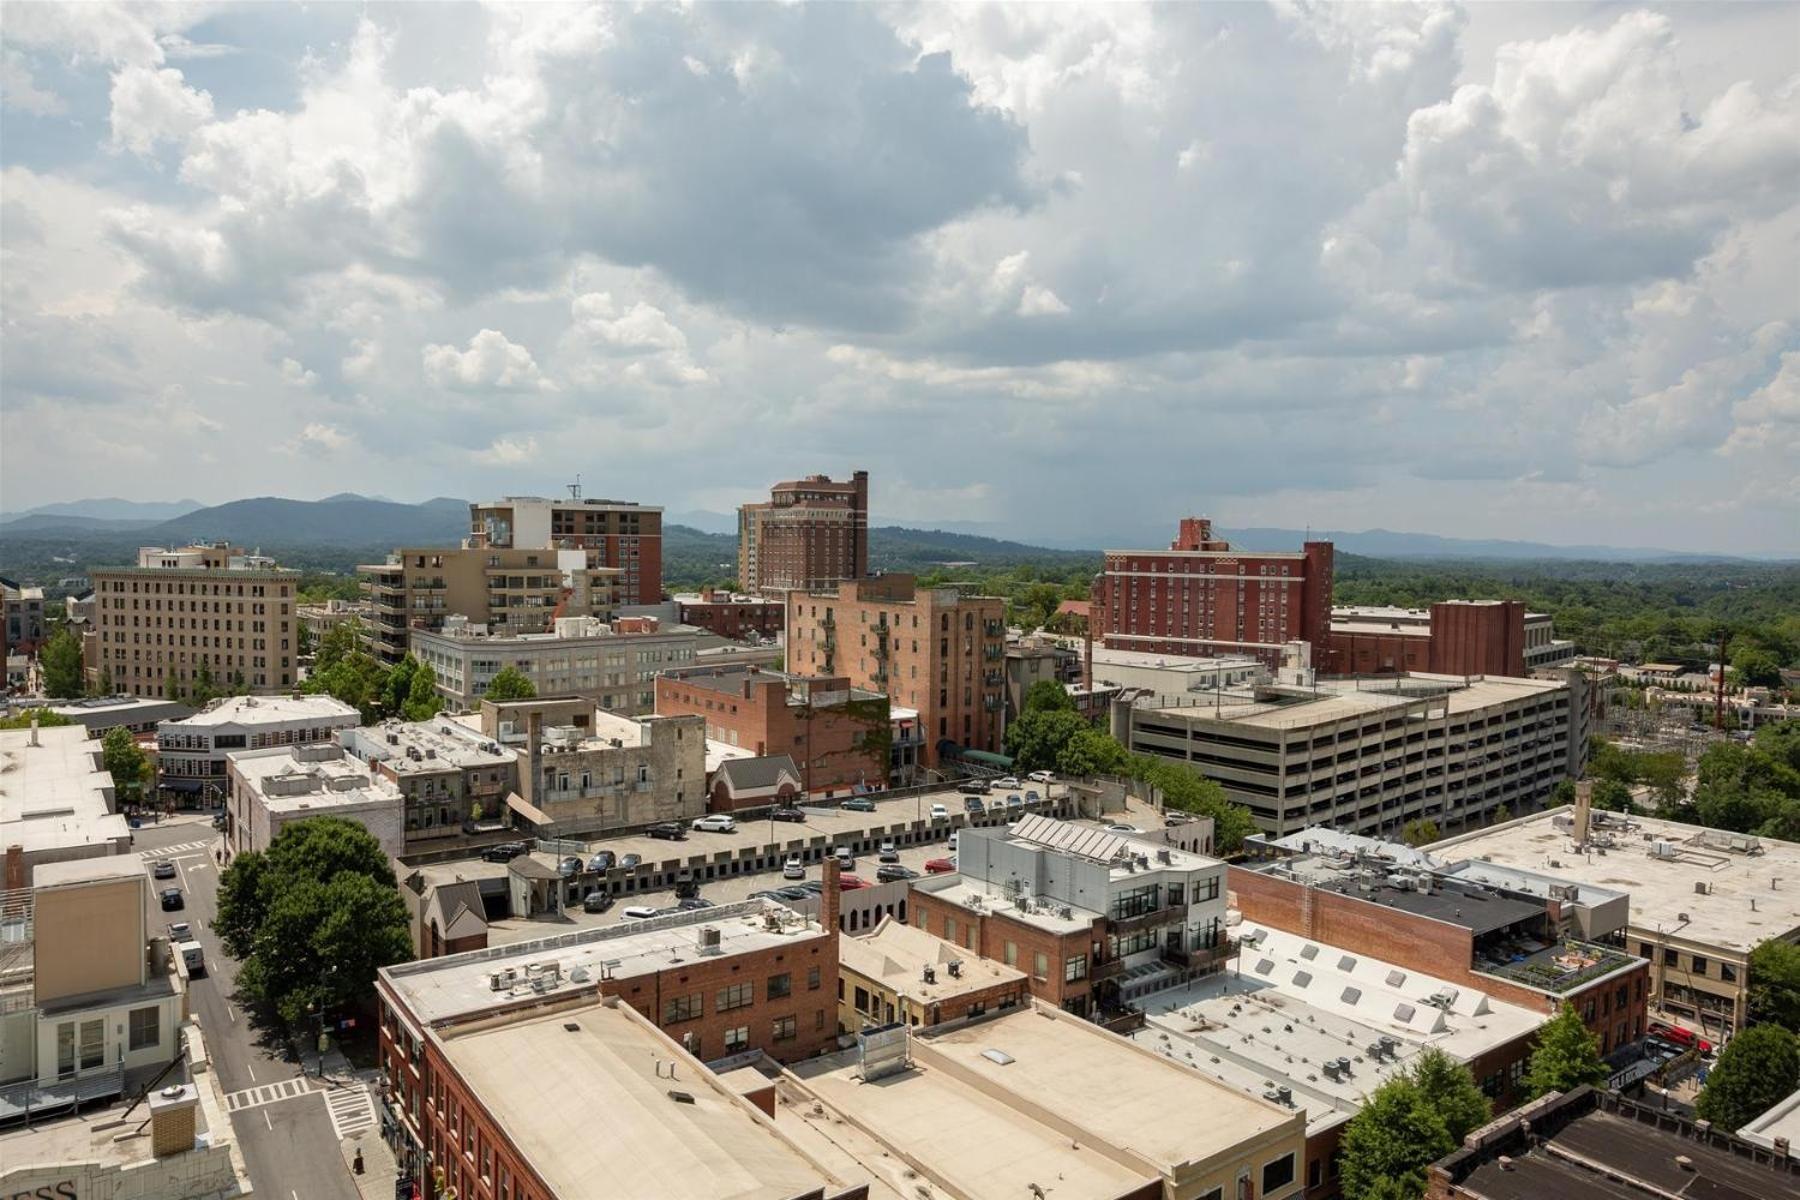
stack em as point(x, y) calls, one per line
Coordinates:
point(1505, 271)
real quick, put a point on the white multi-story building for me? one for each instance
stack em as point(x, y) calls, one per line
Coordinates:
point(271, 789)
point(191, 752)
point(614, 664)
point(1368, 757)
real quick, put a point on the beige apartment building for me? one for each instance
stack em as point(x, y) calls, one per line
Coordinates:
point(508, 591)
point(810, 533)
point(621, 535)
point(933, 650)
point(179, 610)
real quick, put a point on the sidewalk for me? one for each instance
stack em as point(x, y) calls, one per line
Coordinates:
point(380, 1171)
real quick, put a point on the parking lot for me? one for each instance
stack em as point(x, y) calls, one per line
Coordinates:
point(730, 866)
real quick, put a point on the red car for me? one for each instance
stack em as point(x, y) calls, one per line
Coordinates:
point(849, 883)
point(938, 866)
point(1679, 1036)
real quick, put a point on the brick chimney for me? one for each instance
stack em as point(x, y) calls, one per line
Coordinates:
point(831, 899)
point(172, 1119)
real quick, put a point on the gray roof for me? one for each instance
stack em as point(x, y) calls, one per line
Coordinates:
point(758, 774)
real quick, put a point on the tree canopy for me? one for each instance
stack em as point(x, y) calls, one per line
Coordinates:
point(1389, 1143)
point(127, 763)
point(510, 683)
point(1758, 1067)
point(1566, 1056)
point(1775, 984)
point(313, 917)
point(1047, 695)
point(60, 660)
point(45, 719)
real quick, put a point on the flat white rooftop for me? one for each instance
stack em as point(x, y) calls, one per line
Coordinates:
point(441, 745)
point(269, 710)
point(438, 989)
point(991, 900)
point(1338, 700)
point(55, 796)
point(1753, 892)
point(1197, 664)
point(1290, 1005)
point(1780, 1122)
point(682, 1138)
point(896, 955)
point(295, 778)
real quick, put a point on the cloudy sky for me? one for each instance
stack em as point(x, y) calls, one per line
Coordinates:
point(1506, 270)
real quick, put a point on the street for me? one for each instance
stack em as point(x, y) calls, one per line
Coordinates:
point(279, 1113)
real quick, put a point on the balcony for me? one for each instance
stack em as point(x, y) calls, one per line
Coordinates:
point(1110, 969)
point(1156, 916)
point(1203, 958)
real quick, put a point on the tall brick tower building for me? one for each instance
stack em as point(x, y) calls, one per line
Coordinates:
point(810, 533)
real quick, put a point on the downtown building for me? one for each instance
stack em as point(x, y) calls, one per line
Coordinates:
point(621, 535)
point(810, 533)
point(1452, 637)
point(1201, 597)
point(181, 613)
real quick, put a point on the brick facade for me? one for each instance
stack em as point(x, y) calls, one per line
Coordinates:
point(810, 533)
point(1201, 597)
point(988, 934)
point(1614, 1008)
point(1461, 638)
point(734, 617)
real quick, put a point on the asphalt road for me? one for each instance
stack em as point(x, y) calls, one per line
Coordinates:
point(288, 1143)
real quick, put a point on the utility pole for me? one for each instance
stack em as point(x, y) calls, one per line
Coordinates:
point(1719, 684)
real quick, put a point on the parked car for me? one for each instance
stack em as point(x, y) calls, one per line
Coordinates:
point(1040, 777)
point(164, 869)
point(813, 887)
point(851, 883)
point(1015, 801)
point(975, 787)
point(893, 872)
point(766, 894)
point(715, 823)
point(171, 900)
point(692, 903)
point(793, 868)
point(845, 858)
point(504, 852)
point(861, 804)
point(631, 862)
point(952, 842)
point(788, 814)
point(889, 853)
point(602, 861)
point(180, 931)
point(1007, 781)
point(667, 831)
point(1032, 797)
point(793, 893)
point(973, 806)
point(597, 902)
point(570, 865)
point(939, 866)
point(939, 813)
point(639, 912)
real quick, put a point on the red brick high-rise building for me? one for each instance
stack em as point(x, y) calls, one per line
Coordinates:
point(1453, 637)
point(620, 534)
point(1201, 597)
point(810, 533)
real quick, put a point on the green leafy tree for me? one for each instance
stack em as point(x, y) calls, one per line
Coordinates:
point(45, 719)
point(510, 683)
point(171, 687)
point(1091, 752)
point(422, 699)
point(60, 660)
point(397, 688)
point(340, 640)
point(1757, 1068)
point(205, 687)
point(103, 686)
point(1755, 667)
point(358, 680)
point(1566, 1056)
point(1775, 984)
point(125, 761)
point(1037, 738)
point(1502, 815)
point(304, 641)
point(1612, 795)
point(1047, 695)
point(1562, 793)
point(1389, 1143)
point(1450, 1091)
point(313, 918)
point(1187, 790)
point(1422, 832)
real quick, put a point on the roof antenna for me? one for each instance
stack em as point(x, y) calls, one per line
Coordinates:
point(575, 488)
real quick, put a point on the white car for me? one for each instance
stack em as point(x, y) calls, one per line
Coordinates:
point(640, 912)
point(952, 843)
point(714, 823)
point(793, 868)
point(1040, 777)
point(1006, 781)
point(939, 813)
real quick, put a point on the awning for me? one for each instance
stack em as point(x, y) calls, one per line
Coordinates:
point(526, 809)
point(181, 785)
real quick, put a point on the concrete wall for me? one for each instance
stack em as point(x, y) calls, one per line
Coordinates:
point(199, 1174)
point(88, 938)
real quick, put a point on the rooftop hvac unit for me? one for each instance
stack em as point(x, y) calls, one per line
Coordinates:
point(708, 938)
point(1162, 856)
point(393, 739)
point(929, 974)
point(499, 981)
point(956, 968)
point(430, 752)
point(1702, 887)
point(1662, 848)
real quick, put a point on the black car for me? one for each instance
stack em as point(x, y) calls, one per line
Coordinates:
point(602, 861)
point(812, 887)
point(788, 814)
point(766, 894)
point(860, 804)
point(171, 899)
point(690, 903)
point(667, 831)
point(973, 804)
point(793, 893)
point(505, 852)
point(889, 872)
point(631, 860)
point(974, 788)
point(597, 902)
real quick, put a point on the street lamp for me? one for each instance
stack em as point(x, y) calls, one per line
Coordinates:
point(320, 1007)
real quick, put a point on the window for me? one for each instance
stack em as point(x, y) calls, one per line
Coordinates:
point(1670, 958)
point(1277, 1174)
point(1011, 954)
point(780, 985)
point(785, 1029)
point(1727, 972)
point(736, 996)
point(146, 1028)
point(1075, 968)
point(737, 1040)
point(683, 1008)
point(1135, 902)
point(1699, 965)
point(812, 976)
point(93, 1044)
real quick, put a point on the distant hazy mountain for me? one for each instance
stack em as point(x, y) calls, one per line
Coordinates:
point(73, 526)
point(342, 520)
point(703, 521)
point(109, 509)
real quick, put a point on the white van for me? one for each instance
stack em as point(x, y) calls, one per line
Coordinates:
point(193, 958)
